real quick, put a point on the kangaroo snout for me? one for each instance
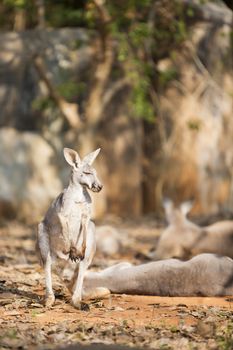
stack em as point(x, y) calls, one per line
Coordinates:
point(96, 187)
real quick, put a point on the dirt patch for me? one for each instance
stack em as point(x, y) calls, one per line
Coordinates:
point(154, 322)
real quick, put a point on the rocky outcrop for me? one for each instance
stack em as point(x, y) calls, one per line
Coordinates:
point(19, 87)
point(28, 177)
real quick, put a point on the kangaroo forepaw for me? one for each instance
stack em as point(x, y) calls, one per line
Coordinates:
point(49, 300)
point(75, 255)
point(74, 258)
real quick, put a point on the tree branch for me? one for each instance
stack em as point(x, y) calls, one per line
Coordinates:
point(68, 110)
point(112, 91)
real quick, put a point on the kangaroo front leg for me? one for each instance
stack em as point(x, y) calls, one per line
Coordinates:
point(78, 249)
point(49, 298)
point(85, 225)
point(77, 294)
point(84, 237)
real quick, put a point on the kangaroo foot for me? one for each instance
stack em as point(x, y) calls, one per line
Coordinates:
point(75, 255)
point(96, 293)
point(79, 305)
point(49, 300)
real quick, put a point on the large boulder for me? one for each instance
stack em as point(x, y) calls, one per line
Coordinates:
point(28, 176)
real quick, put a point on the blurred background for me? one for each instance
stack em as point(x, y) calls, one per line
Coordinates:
point(150, 82)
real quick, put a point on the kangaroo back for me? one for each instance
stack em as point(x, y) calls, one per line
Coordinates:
point(205, 274)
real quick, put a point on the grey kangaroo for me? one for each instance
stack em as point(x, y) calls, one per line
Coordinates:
point(66, 236)
point(203, 275)
point(183, 239)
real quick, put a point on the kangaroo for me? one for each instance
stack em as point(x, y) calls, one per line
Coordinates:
point(184, 239)
point(203, 275)
point(67, 235)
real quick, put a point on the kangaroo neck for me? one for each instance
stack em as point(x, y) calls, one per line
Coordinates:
point(77, 192)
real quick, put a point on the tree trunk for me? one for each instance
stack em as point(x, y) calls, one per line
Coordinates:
point(20, 20)
point(40, 13)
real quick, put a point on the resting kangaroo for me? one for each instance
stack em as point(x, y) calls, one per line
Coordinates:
point(203, 275)
point(66, 234)
point(184, 239)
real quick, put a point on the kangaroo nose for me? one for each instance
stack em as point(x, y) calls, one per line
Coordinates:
point(97, 187)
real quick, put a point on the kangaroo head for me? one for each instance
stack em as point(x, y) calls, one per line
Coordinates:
point(175, 215)
point(177, 239)
point(82, 171)
point(174, 243)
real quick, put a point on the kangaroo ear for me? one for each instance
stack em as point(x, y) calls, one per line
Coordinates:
point(185, 207)
point(169, 208)
point(72, 157)
point(167, 203)
point(89, 159)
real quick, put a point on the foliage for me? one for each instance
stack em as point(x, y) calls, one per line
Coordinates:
point(225, 341)
point(142, 43)
point(167, 75)
point(141, 105)
point(194, 124)
point(70, 89)
point(42, 103)
point(15, 3)
point(146, 31)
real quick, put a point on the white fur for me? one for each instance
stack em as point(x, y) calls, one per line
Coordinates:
point(66, 236)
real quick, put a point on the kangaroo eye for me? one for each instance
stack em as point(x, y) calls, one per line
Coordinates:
point(87, 173)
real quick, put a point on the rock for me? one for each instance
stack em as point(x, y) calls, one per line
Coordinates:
point(28, 177)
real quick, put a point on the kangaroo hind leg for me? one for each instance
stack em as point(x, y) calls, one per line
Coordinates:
point(78, 285)
point(96, 293)
point(45, 259)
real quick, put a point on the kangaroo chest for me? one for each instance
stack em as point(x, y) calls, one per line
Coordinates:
point(77, 216)
point(76, 208)
point(73, 215)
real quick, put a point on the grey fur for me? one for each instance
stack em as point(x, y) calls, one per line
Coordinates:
point(184, 239)
point(66, 236)
point(203, 275)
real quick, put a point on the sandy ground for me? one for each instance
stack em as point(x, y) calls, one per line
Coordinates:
point(153, 322)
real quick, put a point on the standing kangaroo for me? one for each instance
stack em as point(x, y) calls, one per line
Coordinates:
point(184, 239)
point(66, 234)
